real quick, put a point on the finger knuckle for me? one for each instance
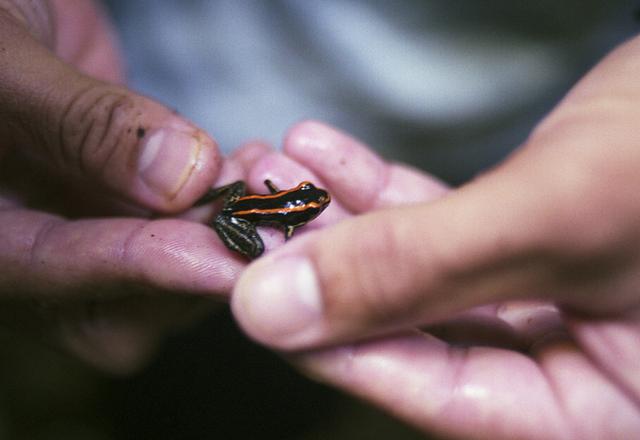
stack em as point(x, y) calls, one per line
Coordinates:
point(101, 334)
point(586, 215)
point(40, 241)
point(95, 125)
point(581, 163)
point(375, 281)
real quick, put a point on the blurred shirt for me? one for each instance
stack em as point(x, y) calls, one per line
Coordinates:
point(448, 86)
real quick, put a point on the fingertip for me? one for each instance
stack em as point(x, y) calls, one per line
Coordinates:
point(358, 176)
point(316, 142)
point(280, 169)
point(298, 296)
point(297, 135)
point(176, 164)
point(354, 172)
point(278, 302)
point(250, 152)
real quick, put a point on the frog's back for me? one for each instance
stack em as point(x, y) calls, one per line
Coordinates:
point(292, 207)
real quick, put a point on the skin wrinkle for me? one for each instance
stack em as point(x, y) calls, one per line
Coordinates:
point(439, 264)
point(464, 366)
point(375, 298)
point(452, 353)
point(467, 376)
point(383, 291)
point(371, 298)
point(356, 358)
point(81, 163)
point(603, 375)
point(64, 116)
point(122, 103)
point(125, 254)
point(596, 360)
point(560, 404)
point(93, 142)
point(465, 260)
point(40, 237)
point(88, 130)
point(134, 153)
point(458, 358)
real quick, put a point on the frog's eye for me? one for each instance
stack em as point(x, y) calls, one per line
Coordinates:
point(306, 186)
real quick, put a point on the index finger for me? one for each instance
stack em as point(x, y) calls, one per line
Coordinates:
point(47, 257)
point(356, 175)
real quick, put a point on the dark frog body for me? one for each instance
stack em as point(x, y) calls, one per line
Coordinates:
point(236, 223)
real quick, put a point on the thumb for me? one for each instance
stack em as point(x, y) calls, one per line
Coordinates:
point(97, 132)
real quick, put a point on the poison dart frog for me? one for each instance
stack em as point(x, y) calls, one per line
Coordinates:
point(236, 223)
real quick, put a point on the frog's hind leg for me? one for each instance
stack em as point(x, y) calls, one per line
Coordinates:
point(239, 235)
point(233, 192)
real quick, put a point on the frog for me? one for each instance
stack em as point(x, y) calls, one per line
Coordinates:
point(241, 213)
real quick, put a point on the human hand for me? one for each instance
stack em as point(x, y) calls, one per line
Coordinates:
point(83, 162)
point(530, 272)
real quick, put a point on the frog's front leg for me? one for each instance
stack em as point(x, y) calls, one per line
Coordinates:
point(272, 188)
point(239, 235)
point(232, 193)
point(288, 232)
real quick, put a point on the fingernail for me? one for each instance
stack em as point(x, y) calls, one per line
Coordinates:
point(278, 302)
point(167, 159)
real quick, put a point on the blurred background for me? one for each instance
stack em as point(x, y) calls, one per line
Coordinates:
point(450, 87)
